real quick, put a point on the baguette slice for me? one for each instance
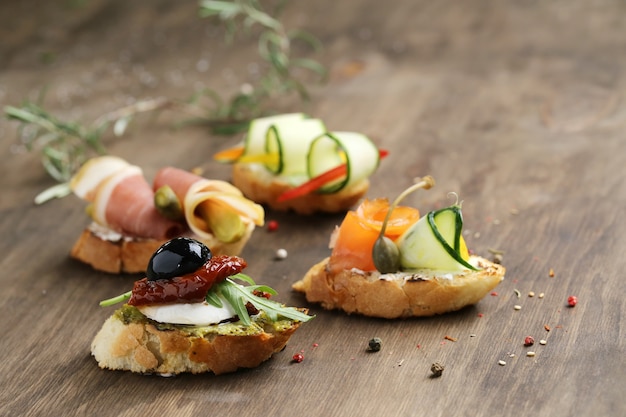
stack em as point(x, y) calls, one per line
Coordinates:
point(399, 295)
point(260, 186)
point(129, 341)
point(111, 252)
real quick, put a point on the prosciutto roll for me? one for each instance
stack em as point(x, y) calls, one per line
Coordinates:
point(211, 207)
point(122, 199)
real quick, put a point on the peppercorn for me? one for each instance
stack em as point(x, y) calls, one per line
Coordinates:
point(529, 341)
point(272, 226)
point(572, 300)
point(298, 357)
point(437, 369)
point(374, 344)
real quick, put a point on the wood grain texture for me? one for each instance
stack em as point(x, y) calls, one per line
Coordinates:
point(516, 106)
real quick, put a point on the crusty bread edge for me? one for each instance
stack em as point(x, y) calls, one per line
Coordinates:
point(140, 347)
point(261, 187)
point(361, 293)
point(119, 254)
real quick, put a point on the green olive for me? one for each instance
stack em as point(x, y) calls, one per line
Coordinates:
point(167, 203)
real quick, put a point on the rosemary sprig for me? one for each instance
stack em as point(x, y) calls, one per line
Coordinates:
point(275, 48)
point(65, 146)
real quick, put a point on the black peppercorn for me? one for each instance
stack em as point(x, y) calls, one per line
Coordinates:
point(374, 344)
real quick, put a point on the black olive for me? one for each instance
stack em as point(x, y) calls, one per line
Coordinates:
point(177, 257)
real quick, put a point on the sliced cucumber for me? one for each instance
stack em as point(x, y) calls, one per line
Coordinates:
point(333, 149)
point(254, 143)
point(291, 140)
point(435, 242)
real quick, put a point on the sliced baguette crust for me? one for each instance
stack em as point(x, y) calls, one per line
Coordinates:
point(141, 347)
point(396, 296)
point(260, 186)
point(114, 253)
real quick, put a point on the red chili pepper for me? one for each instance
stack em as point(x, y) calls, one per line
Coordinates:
point(572, 300)
point(317, 182)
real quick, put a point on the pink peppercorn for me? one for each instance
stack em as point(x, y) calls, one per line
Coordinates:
point(529, 341)
point(298, 357)
point(572, 300)
point(272, 226)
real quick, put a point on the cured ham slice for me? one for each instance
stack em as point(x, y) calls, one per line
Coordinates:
point(122, 199)
point(211, 207)
point(125, 203)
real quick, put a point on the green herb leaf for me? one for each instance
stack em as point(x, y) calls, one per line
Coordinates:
point(119, 299)
point(238, 295)
point(213, 299)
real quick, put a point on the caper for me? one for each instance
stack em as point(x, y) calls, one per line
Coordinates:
point(177, 257)
point(167, 203)
point(386, 255)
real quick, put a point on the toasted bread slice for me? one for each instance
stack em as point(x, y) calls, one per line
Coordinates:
point(112, 252)
point(260, 186)
point(399, 295)
point(129, 341)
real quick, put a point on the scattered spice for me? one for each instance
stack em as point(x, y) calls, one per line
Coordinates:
point(262, 294)
point(450, 338)
point(572, 300)
point(494, 294)
point(543, 342)
point(530, 353)
point(281, 254)
point(297, 358)
point(541, 295)
point(497, 255)
point(272, 226)
point(437, 369)
point(531, 293)
point(501, 362)
point(517, 307)
point(374, 344)
point(551, 273)
point(481, 315)
point(517, 293)
point(545, 326)
point(529, 341)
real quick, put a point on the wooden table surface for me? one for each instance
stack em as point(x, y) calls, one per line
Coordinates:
point(516, 106)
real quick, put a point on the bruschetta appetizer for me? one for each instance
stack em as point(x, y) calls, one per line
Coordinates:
point(292, 162)
point(389, 262)
point(194, 312)
point(131, 218)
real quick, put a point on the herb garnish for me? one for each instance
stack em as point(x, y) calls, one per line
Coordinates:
point(65, 146)
point(238, 296)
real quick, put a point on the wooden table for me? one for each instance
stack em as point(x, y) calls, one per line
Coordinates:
point(516, 106)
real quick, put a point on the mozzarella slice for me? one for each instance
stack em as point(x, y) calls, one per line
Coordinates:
point(197, 314)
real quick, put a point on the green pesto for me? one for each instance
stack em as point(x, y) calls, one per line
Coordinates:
point(130, 314)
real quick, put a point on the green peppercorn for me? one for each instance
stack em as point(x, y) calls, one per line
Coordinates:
point(374, 344)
